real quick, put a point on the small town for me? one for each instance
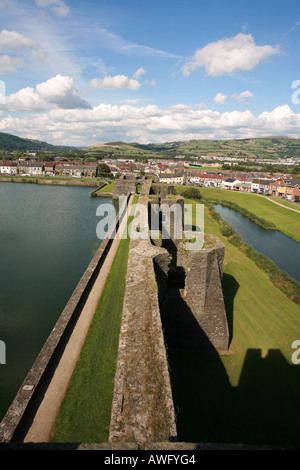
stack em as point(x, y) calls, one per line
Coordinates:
point(175, 171)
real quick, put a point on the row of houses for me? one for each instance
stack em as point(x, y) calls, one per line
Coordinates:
point(39, 169)
point(286, 189)
point(280, 187)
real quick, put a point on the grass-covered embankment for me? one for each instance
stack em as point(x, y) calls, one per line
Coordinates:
point(283, 219)
point(251, 395)
point(84, 415)
point(108, 188)
point(281, 279)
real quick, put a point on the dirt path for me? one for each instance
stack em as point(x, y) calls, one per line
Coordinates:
point(282, 205)
point(49, 407)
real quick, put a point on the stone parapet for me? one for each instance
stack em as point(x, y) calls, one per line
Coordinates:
point(142, 409)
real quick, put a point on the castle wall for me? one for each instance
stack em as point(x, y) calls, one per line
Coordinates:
point(142, 409)
point(203, 289)
point(124, 185)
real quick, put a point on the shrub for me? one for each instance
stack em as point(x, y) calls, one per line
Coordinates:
point(192, 193)
point(226, 229)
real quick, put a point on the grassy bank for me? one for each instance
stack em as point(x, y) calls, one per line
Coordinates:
point(250, 215)
point(279, 278)
point(286, 221)
point(250, 395)
point(108, 188)
point(84, 415)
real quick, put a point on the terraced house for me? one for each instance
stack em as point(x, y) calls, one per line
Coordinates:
point(8, 168)
point(171, 178)
point(289, 189)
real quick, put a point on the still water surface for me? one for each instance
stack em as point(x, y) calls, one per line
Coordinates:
point(47, 239)
point(282, 250)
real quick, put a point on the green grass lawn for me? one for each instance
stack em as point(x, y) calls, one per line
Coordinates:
point(286, 221)
point(293, 205)
point(108, 188)
point(251, 395)
point(84, 415)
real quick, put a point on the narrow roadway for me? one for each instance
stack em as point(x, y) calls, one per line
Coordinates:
point(46, 414)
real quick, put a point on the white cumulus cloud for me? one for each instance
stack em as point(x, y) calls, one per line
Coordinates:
point(229, 55)
point(26, 99)
point(13, 40)
point(220, 98)
point(150, 123)
point(10, 64)
point(60, 90)
point(120, 82)
point(243, 97)
point(138, 73)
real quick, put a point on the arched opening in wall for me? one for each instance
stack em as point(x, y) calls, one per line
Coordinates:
point(138, 188)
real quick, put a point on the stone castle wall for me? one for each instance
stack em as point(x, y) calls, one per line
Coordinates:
point(124, 185)
point(203, 292)
point(142, 409)
point(175, 306)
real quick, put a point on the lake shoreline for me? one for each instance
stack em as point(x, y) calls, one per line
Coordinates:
point(281, 277)
point(50, 182)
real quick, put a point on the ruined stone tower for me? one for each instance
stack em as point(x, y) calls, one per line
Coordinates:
point(190, 292)
point(203, 289)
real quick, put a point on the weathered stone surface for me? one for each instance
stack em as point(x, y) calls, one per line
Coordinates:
point(124, 185)
point(203, 292)
point(142, 408)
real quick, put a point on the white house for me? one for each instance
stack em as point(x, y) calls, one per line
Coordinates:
point(8, 168)
point(230, 183)
point(260, 185)
point(195, 179)
point(171, 178)
point(35, 169)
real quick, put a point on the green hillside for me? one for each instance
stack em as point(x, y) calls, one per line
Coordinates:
point(11, 143)
point(268, 148)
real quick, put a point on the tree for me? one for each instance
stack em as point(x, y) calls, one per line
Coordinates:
point(103, 170)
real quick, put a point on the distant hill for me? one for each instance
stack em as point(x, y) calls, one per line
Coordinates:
point(268, 147)
point(9, 142)
point(253, 148)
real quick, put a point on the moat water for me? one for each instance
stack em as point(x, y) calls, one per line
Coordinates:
point(282, 250)
point(47, 239)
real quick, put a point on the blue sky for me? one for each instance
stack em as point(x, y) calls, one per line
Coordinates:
point(82, 73)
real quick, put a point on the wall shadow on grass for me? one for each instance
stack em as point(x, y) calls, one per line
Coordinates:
point(263, 408)
point(230, 287)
